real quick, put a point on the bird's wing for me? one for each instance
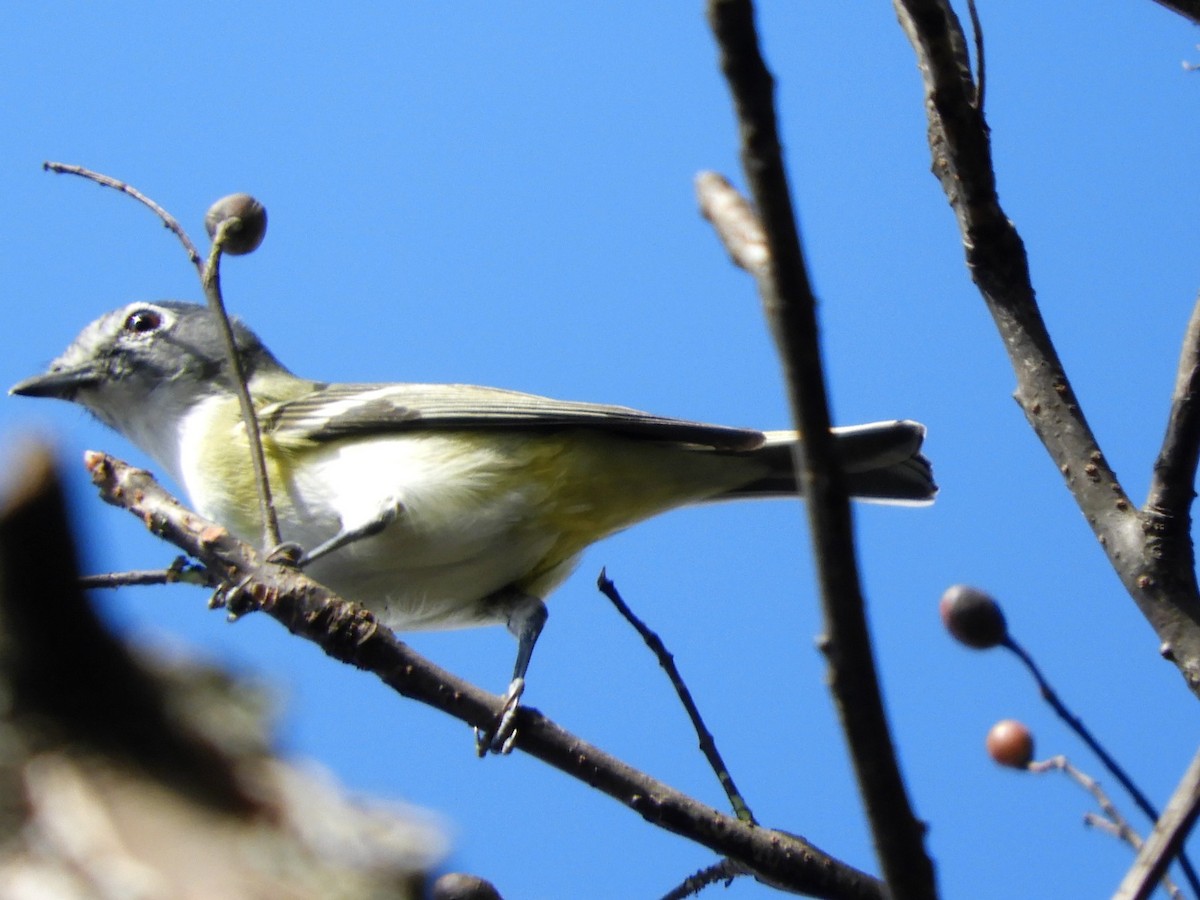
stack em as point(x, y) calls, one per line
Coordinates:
point(336, 411)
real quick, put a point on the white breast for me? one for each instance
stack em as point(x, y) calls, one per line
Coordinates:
point(463, 531)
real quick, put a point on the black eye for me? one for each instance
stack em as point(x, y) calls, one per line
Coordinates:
point(141, 321)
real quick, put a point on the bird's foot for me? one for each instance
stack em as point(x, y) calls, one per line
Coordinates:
point(502, 737)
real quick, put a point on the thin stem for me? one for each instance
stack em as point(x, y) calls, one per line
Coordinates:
point(107, 181)
point(980, 60)
point(708, 746)
point(1166, 839)
point(735, 222)
point(725, 870)
point(211, 279)
point(1172, 485)
point(1112, 821)
point(1073, 722)
point(181, 571)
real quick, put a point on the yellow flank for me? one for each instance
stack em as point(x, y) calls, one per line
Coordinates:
point(216, 446)
point(570, 488)
point(592, 484)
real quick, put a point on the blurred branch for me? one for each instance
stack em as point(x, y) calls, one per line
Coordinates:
point(1149, 551)
point(790, 309)
point(350, 634)
point(1189, 9)
point(1109, 762)
point(127, 776)
point(735, 222)
point(1167, 838)
point(1110, 819)
point(179, 571)
point(1172, 485)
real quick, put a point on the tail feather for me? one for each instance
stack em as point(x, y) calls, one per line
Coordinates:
point(882, 462)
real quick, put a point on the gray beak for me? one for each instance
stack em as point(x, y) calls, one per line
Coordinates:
point(62, 384)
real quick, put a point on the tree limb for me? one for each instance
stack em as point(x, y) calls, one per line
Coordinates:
point(350, 634)
point(790, 308)
point(1166, 840)
point(1151, 553)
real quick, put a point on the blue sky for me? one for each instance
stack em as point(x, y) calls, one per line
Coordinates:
point(501, 194)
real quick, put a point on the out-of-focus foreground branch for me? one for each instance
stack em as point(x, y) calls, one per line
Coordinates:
point(1189, 9)
point(790, 309)
point(122, 776)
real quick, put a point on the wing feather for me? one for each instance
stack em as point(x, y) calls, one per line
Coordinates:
point(337, 411)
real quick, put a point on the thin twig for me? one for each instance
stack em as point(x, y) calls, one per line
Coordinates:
point(181, 571)
point(735, 222)
point(1172, 484)
point(1112, 816)
point(349, 633)
point(1166, 839)
point(708, 746)
point(726, 870)
point(789, 306)
point(1099, 822)
point(1073, 722)
point(211, 279)
point(107, 181)
point(980, 60)
point(1112, 821)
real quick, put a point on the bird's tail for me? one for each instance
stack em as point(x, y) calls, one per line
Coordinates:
point(882, 462)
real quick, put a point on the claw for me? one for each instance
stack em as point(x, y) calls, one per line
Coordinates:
point(288, 553)
point(502, 737)
point(233, 598)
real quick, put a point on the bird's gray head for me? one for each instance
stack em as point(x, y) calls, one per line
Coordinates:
point(166, 353)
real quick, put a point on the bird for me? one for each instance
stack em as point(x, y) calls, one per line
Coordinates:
point(434, 506)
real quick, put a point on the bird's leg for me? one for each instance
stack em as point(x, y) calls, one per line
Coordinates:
point(388, 512)
point(526, 618)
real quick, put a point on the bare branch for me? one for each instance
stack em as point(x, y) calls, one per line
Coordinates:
point(168, 220)
point(725, 870)
point(1189, 9)
point(1172, 486)
point(708, 745)
point(1111, 822)
point(790, 309)
point(351, 634)
point(735, 222)
point(180, 571)
point(980, 58)
point(1151, 553)
point(1166, 840)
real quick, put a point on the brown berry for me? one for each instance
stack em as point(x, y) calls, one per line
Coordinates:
point(1009, 743)
point(973, 617)
point(249, 230)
